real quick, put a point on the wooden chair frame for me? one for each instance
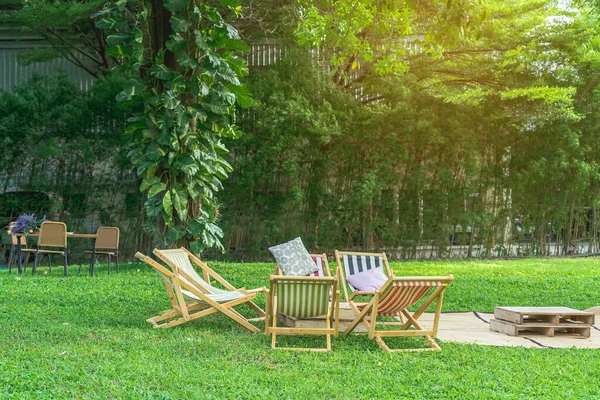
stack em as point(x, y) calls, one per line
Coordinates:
point(348, 294)
point(331, 318)
point(368, 315)
point(183, 311)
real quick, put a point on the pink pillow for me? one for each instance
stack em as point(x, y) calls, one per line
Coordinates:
point(368, 281)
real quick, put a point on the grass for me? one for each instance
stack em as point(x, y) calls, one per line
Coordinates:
point(87, 338)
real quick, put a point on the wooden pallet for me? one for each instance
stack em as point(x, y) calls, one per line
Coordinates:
point(543, 320)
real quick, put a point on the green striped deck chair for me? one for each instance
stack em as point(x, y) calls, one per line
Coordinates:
point(302, 297)
point(192, 296)
point(395, 296)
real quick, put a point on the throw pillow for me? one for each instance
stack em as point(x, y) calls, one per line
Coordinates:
point(293, 258)
point(368, 281)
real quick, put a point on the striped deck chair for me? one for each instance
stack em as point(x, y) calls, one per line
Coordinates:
point(302, 297)
point(191, 296)
point(322, 265)
point(395, 296)
point(351, 263)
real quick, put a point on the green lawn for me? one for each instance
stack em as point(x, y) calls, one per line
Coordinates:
point(85, 337)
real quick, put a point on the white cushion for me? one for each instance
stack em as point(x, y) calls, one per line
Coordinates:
point(293, 258)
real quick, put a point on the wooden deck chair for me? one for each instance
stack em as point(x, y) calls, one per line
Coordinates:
point(396, 295)
point(193, 297)
point(302, 297)
point(350, 263)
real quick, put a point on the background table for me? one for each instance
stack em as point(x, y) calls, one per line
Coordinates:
point(70, 235)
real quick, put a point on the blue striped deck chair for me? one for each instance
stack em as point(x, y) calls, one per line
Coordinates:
point(351, 263)
point(302, 297)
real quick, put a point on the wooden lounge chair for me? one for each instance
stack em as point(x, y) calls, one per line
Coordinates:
point(352, 263)
point(302, 297)
point(396, 295)
point(192, 296)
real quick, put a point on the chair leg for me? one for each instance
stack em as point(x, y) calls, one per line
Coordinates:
point(109, 264)
point(66, 269)
point(117, 261)
point(50, 263)
point(35, 262)
point(11, 260)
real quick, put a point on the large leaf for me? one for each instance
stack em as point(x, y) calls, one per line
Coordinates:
point(147, 182)
point(176, 43)
point(156, 189)
point(179, 24)
point(119, 38)
point(167, 205)
point(242, 95)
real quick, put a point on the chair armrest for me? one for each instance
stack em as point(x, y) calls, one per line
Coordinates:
point(360, 293)
point(258, 290)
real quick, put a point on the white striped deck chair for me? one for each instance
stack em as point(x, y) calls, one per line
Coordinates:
point(351, 263)
point(192, 296)
point(302, 297)
point(395, 296)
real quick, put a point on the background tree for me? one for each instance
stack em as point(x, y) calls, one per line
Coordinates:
point(182, 59)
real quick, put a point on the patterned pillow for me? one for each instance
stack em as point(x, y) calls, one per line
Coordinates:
point(293, 258)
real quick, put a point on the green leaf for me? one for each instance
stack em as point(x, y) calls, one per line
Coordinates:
point(235, 44)
point(196, 227)
point(156, 189)
point(219, 109)
point(186, 61)
point(176, 43)
point(119, 51)
point(197, 247)
point(147, 182)
point(169, 100)
point(119, 38)
point(180, 199)
point(186, 164)
point(242, 94)
point(179, 24)
point(167, 204)
point(174, 233)
point(176, 5)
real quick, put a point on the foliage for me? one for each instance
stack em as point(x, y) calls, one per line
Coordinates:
point(481, 133)
point(185, 74)
point(63, 155)
point(67, 27)
point(87, 338)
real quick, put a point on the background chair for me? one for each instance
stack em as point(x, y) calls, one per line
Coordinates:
point(396, 295)
point(302, 297)
point(12, 259)
point(106, 244)
point(53, 235)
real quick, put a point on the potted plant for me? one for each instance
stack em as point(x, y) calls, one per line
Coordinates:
point(26, 223)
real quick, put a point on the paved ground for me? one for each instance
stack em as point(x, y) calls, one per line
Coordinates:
point(473, 327)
